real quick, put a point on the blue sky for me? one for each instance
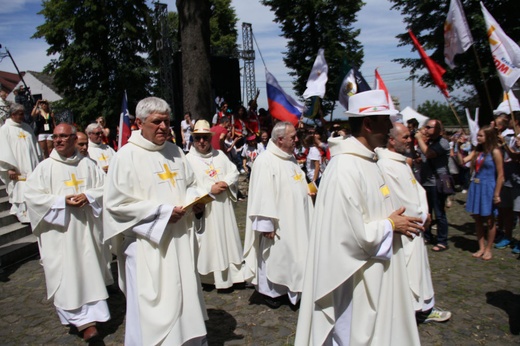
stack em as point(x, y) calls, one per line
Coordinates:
point(379, 25)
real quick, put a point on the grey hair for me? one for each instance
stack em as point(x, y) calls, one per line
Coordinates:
point(279, 129)
point(394, 132)
point(15, 107)
point(150, 105)
point(73, 129)
point(91, 127)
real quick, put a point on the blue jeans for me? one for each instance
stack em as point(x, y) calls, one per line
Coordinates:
point(436, 205)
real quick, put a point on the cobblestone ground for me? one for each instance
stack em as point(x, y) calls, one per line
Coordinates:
point(484, 298)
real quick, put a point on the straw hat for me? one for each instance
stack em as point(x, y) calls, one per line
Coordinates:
point(202, 127)
point(369, 103)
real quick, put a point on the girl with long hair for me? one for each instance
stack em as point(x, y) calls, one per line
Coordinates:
point(484, 191)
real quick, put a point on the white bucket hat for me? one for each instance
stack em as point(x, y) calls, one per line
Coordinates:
point(369, 103)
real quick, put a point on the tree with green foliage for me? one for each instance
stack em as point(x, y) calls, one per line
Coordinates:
point(426, 19)
point(439, 111)
point(223, 29)
point(309, 25)
point(99, 47)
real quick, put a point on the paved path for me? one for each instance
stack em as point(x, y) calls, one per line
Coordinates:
point(484, 298)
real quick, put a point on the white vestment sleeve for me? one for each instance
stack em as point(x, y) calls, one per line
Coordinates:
point(56, 214)
point(263, 224)
point(152, 227)
point(96, 208)
point(385, 249)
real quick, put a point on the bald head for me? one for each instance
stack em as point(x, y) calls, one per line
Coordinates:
point(400, 139)
point(64, 138)
point(82, 143)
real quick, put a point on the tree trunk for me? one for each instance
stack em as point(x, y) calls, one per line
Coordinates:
point(196, 71)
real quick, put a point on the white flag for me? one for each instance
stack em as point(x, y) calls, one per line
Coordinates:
point(318, 77)
point(473, 127)
point(505, 52)
point(457, 36)
point(509, 102)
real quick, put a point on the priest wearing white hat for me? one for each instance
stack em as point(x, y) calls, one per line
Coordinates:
point(356, 287)
point(219, 260)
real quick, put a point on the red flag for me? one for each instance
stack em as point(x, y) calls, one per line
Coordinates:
point(380, 85)
point(436, 71)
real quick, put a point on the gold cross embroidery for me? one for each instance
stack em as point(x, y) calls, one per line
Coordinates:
point(168, 175)
point(212, 172)
point(22, 135)
point(103, 157)
point(297, 176)
point(74, 182)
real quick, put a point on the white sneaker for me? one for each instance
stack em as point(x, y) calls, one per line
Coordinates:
point(438, 315)
point(242, 171)
point(464, 191)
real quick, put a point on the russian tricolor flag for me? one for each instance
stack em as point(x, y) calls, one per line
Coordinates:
point(124, 124)
point(281, 106)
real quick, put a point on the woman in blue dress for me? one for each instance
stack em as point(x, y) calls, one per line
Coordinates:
point(484, 191)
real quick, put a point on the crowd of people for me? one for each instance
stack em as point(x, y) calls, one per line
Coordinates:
point(337, 220)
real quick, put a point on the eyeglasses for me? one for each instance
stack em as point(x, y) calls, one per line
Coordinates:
point(199, 137)
point(62, 136)
point(427, 127)
point(97, 133)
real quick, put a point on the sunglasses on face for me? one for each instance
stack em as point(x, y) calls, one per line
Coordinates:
point(199, 137)
point(427, 127)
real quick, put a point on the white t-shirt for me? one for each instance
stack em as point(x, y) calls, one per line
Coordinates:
point(250, 153)
point(313, 155)
point(186, 129)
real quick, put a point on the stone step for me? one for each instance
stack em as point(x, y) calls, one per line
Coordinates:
point(13, 232)
point(18, 250)
point(6, 218)
point(4, 203)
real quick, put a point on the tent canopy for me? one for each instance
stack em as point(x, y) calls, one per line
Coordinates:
point(409, 113)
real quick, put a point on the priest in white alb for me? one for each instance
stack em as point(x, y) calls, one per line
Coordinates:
point(408, 193)
point(148, 183)
point(64, 199)
point(219, 260)
point(356, 287)
point(279, 211)
point(19, 155)
point(99, 152)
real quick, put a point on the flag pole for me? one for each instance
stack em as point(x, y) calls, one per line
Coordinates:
point(483, 79)
point(512, 115)
point(455, 113)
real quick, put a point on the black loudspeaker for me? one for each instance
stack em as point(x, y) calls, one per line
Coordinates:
point(225, 80)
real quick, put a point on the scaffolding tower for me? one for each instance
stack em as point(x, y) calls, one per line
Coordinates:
point(164, 50)
point(248, 55)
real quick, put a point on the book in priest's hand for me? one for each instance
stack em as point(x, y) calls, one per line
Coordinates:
point(205, 199)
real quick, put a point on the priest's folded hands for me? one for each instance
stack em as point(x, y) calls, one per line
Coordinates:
point(406, 225)
point(79, 200)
